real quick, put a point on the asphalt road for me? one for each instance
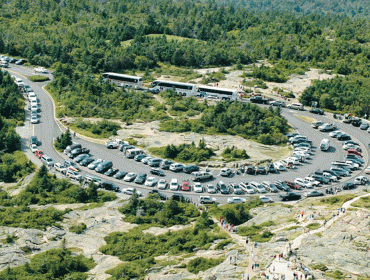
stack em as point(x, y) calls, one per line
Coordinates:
point(48, 129)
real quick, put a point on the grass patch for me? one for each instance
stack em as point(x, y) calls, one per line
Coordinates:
point(313, 226)
point(337, 274)
point(318, 234)
point(78, 228)
point(100, 129)
point(91, 206)
point(131, 141)
point(291, 228)
point(256, 232)
point(127, 43)
point(202, 264)
point(254, 82)
point(38, 78)
point(333, 201)
point(306, 119)
point(319, 266)
point(14, 166)
point(223, 243)
point(363, 202)
point(27, 250)
point(9, 239)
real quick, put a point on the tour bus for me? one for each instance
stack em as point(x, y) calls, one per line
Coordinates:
point(123, 80)
point(217, 93)
point(185, 89)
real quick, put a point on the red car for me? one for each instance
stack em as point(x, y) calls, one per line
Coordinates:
point(185, 186)
point(39, 153)
point(354, 152)
point(293, 186)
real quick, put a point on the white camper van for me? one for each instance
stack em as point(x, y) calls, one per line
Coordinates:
point(325, 144)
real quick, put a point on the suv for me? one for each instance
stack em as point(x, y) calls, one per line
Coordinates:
point(104, 166)
point(191, 168)
point(34, 140)
point(165, 164)
point(251, 170)
point(225, 172)
point(140, 178)
point(109, 186)
point(221, 186)
point(207, 200)
point(48, 161)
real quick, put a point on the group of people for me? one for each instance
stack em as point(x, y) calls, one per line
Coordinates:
point(229, 227)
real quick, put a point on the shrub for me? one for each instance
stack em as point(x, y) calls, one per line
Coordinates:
point(202, 264)
point(101, 129)
point(223, 243)
point(9, 239)
point(319, 266)
point(14, 166)
point(234, 154)
point(78, 228)
point(38, 78)
point(313, 226)
point(63, 141)
point(254, 232)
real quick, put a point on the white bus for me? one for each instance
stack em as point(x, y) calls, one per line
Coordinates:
point(217, 93)
point(123, 80)
point(185, 89)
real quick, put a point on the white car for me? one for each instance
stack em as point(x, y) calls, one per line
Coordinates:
point(60, 167)
point(247, 188)
point(266, 199)
point(162, 184)
point(258, 187)
point(236, 199)
point(312, 181)
point(41, 70)
point(225, 172)
point(349, 146)
point(279, 166)
point(303, 183)
point(130, 191)
point(335, 133)
point(34, 148)
point(146, 159)
point(174, 185)
point(151, 182)
point(34, 119)
point(211, 188)
point(367, 170)
point(176, 167)
point(130, 177)
point(303, 154)
point(73, 174)
point(361, 180)
point(293, 160)
point(197, 187)
point(207, 200)
point(329, 176)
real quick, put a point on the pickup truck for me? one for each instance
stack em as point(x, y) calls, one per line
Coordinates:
point(115, 144)
point(259, 99)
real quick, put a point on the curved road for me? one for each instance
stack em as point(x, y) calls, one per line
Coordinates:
point(48, 129)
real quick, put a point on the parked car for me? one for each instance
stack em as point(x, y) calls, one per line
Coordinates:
point(156, 171)
point(282, 186)
point(348, 186)
point(131, 191)
point(235, 188)
point(207, 200)
point(74, 153)
point(261, 170)
point(180, 197)
point(86, 161)
point(104, 166)
point(71, 164)
point(185, 186)
point(270, 186)
point(293, 186)
point(166, 164)
point(317, 111)
point(317, 124)
point(162, 196)
point(174, 185)
point(176, 167)
point(191, 168)
point(94, 164)
point(247, 188)
point(81, 157)
point(364, 126)
point(73, 174)
point(151, 182)
point(303, 183)
point(356, 122)
point(111, 171)
point(354, 152)
point(130, 177)
point(69, 148)
point(120, 175)
point(211, 188)
point(60, 167)
point(34, 148)
point(258, 187)
point(266, 199)
point(146, 159)
point(48, 161)
point(313, 194)
point(251, 170)
point(290, 196)
point(34, 141)
point(344, 137)
point(221, 186)
point(236, 199)
point(109, 186)
point(39, 154)
point(225, 172)
point(140, 178)
point(197, 187)
point(361, 180)
point(271, 168)
point(367, 170)
point(162, 184)
point(140, 157)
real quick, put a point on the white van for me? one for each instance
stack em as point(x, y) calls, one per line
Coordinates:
point(133, 152)
point(296, 106)
point(325, 144)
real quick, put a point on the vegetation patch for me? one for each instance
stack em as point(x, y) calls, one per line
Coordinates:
point(139, 249)
point(256, 233)
point(38, 78)
point(235, 214)
point(9, 239)
point(151, 210)
point(248, 120)
point(313, 226)
point(52, 264)
point(184, 152)
point(334, 200)
point(362, 202)
point(214, 77)
point(14, 166)
point(63, 141)
point(319, 266)
point(78, 228)
point(223, 243)
point(233, 153)
point(99, 129)
point(291, 228)
point(202, 264)
point(254, 82)
point(336, 274)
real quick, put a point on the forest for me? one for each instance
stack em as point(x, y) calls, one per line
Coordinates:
point(91, 37)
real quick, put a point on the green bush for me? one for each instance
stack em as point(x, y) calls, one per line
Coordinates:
point(235, 214)
point(337, 274)
point(14, 166)
point(223, 243)
point(9, 239)
point(78, 228)
point(231, 154)
point(100, 129)
point(184, 152)
point(62, 141)
point(52, 264)
point(319, 266)
point(38, 78)
point(256, 232)
point(153, 211)
point(313, 226)
point(202, 264)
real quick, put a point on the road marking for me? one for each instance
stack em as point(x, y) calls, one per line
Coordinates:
point(33, 129)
